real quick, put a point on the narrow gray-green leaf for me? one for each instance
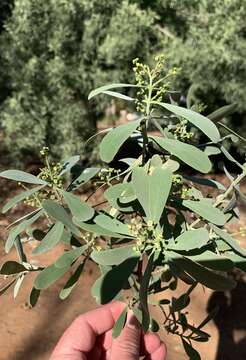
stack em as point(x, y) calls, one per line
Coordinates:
point(23, 195)
point(70, 256)
point(49, 276)
point(96, 229)
point(18, 175)
point(206, 211)
point(143, 293)
point(229, 240)
point(51, 239)
point(79, 209)
point(57, 212)
point(115, 138)
point(200, 121)
point(206, 182)
point(107, 87)
point(115, 195)
point(239, 261)
point(83, 178)
point(71, 283)
point(222, 112)
point(213, 261)
point(117, 95)
point(19, 229)
point(119, 324)
point(114, 256)
point(152, 190)
point(113, 225)
point(189, 154)
point(68, 164)
point(191, 239)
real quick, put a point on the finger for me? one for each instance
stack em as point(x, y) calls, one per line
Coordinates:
point(127, 345)
point(81, 335)
point(159, 354)
point(149, 344)
point(104, 341)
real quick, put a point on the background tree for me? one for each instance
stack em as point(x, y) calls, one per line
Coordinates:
point(54, 53)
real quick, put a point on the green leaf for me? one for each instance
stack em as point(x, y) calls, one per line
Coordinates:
point(206, 211)
point(96, 229)
point(111, 143)
point(79, 209)
point(213, 261)
point(49, 276)
point(119, 324)
point(115, 196)
point(19, 229)
point(113, 225)
point(34, 296)
point(118, 95)
point(68, 164)
point(51, 239)
point(152, 190)
point(189, 154)
point(206, 182)
point(113, 256)
point(191, 239)
point(12, 267)
point(57, 212)
point(239, 261)
point(71, 283)
point(143, 293)
point(232, 132)
point(104, 88)
point(211, 150)
point(229, 240)
point(23, 195)
point(83, 178)
point(190, 351)
point(70, 256)
point(107, 287)
point(222, 112)
point(22, 176)
point(205, 276)
point(200, 121)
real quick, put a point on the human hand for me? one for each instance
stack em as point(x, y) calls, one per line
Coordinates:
point(90, 338)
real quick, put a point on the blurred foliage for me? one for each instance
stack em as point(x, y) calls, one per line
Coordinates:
point(54, 53)
point(211, 50)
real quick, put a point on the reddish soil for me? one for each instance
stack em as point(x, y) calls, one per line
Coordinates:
point(28, 334)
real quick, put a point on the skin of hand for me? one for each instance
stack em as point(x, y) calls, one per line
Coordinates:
point(90, 338)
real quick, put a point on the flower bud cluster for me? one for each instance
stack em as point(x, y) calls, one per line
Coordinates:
point(147, 236)
point(181, 133)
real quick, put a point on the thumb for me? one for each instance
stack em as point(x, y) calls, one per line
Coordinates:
point(127, 345)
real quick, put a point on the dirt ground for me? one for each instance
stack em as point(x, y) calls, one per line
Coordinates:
point(28, 334)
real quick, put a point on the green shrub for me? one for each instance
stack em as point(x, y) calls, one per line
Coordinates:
point(54, 51)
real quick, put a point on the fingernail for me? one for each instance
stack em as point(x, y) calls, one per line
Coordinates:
point(131, 321)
